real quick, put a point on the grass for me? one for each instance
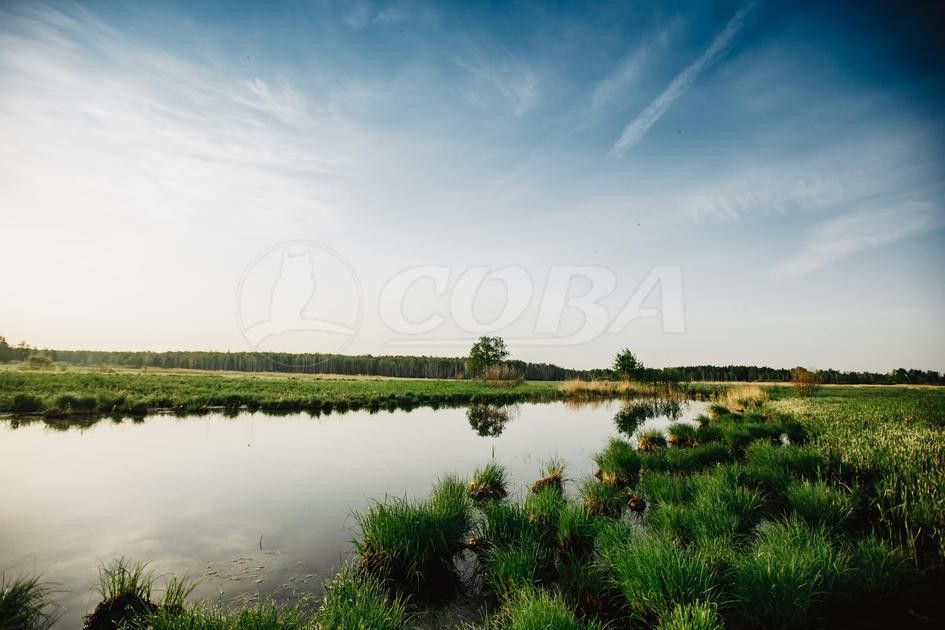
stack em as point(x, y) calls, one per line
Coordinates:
point(355, 601)
point(533, 609)
point(890, 442)
point(682, 434)
point(26, 604)
point(255, 617)
point(488, 483)
point(618, 464)
point(655, 574)
point(77, 392)
point(819, 503)
point(552, 476)
point(696, 616)
point(514, 565)
point(603, 499)
point(787, 574)
point(650, 441)
point(742, 398)
point(411, 544)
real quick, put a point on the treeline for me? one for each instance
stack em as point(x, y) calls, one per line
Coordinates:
point(433, 367)
point(309, 363)
point(752, 373)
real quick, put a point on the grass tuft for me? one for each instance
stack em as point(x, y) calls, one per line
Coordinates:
point(488, 483)
point(26, 604)
point(786, 575)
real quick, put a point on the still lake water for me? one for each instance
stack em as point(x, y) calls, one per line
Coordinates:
point(253, 505)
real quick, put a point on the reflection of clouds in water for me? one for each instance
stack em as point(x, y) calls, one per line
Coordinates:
point(490, 420)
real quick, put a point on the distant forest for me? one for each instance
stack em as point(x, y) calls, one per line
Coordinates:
point(430, 367)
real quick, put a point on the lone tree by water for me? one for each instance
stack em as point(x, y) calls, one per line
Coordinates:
point(626, 364)
point(486, 353)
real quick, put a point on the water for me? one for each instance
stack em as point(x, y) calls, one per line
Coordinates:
point(255, 505)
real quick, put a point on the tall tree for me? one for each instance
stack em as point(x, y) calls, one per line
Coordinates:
point(627, 365)
point(486, 353)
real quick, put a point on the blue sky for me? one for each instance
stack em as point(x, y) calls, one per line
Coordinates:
point(787, 157)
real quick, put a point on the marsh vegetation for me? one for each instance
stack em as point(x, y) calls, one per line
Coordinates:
point(770, 511)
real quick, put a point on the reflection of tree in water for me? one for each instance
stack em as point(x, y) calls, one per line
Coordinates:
point(489, 420)
point(636, 412)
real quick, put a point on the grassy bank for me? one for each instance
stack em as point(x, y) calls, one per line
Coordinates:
point(90, 392)
point(78, 392)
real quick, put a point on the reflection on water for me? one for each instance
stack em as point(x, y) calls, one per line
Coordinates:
point(254, 505)
point(490, 420)
point(633, 413)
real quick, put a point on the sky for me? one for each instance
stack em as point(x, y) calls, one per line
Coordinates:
point(741, 182)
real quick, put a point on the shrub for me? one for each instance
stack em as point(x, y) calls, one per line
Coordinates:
point(786, 575)
point(806, 382)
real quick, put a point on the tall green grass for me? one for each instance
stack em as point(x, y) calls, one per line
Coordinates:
point(787, 574)
point(26, 604)
point(412, 543)
point(655, 574)
point(489, 483)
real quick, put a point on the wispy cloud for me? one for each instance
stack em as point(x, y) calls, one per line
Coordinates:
point(631, 68)
point(638, 127)
point(132, 127)
point(858, 231)
point(515, 81)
